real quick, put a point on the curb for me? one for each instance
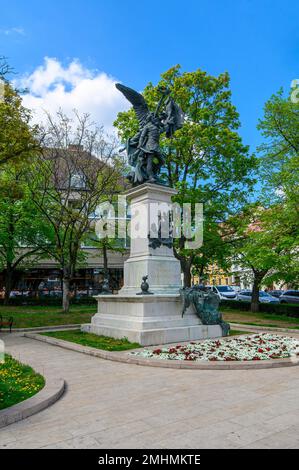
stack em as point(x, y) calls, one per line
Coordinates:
point(73, 326)
point(52, 391)
point(125, 358)
point(262, 328)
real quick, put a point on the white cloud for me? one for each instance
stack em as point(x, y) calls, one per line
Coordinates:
point(52, 86)
point(14, 30)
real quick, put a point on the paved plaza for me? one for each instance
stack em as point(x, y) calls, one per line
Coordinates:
point(114, 405)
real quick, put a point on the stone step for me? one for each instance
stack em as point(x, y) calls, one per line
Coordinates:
point(145, 323)
point(157, 336)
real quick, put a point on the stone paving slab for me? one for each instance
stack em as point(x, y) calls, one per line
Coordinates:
point(110, 404)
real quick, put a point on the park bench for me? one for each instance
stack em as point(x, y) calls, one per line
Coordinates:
point(6, 321)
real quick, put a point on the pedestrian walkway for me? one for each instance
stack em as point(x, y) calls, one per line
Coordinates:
point(114, 405)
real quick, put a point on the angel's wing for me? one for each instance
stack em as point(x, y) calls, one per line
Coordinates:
point(137, 100)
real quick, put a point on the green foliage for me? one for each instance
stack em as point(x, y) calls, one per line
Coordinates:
point(18, 139)
point(72, 148)
point(205, 160)
point(48, 301)
point(280, 174)
point(257, 247)
point(21, 226)
point(277, 309)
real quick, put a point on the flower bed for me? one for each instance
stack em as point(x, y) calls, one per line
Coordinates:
point(254, 347)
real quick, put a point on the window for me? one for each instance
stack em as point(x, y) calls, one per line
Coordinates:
point(264, 294)
point(225, 289)
point(77, 181)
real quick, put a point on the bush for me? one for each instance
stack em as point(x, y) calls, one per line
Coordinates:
point(48, 301)
point(288, 310)
point(235, 304)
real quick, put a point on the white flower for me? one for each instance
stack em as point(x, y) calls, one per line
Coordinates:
point(244, 348)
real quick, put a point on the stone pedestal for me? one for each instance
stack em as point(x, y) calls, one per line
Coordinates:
point(162, 268)
point(149, 319)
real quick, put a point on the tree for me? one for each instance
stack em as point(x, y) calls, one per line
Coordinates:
point(258, 248)
point(267, 233)
point(5, 68)
point(18, 138)
point(205, 160)
point(106, 245)
point(20, 226)
point(76, 170)
point(279, 155)
point(104, 235)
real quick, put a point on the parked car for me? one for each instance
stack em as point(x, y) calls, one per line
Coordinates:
point(236, 288)
point(56, 293)
point(275, 293)
point(264, 297)
point(290, 297)
point(15, 293)
point(224, 292)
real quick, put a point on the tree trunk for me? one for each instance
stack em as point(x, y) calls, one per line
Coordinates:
point(186, 265)
point(66, 290)
point(105, 258)
point(8, 284)
point(255, 304)
point(187, 278)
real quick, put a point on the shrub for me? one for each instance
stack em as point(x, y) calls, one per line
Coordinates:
point(288, 310)
point(48, 301)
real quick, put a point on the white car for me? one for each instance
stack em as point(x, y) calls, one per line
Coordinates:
point(224, 292)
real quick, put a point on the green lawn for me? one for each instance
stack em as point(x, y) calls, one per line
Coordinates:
point(17, 382)
point(260, 319)
point(95, 341)
point(104, 342)
point(33, 316)
point(237, 333)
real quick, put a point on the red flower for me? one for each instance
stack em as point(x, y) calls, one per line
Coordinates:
point(157, 351)
point(190, 358)
point(172, 350)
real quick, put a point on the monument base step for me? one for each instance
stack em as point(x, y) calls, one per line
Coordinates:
point(148, 320)
point(151, 337)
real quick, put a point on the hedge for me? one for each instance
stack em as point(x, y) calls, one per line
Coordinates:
point(45, 301)
point(288, 310)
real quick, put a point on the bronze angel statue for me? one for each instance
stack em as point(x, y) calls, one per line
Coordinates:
point(143, 150)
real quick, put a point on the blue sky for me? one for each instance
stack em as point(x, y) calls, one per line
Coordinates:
point(257, 42)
